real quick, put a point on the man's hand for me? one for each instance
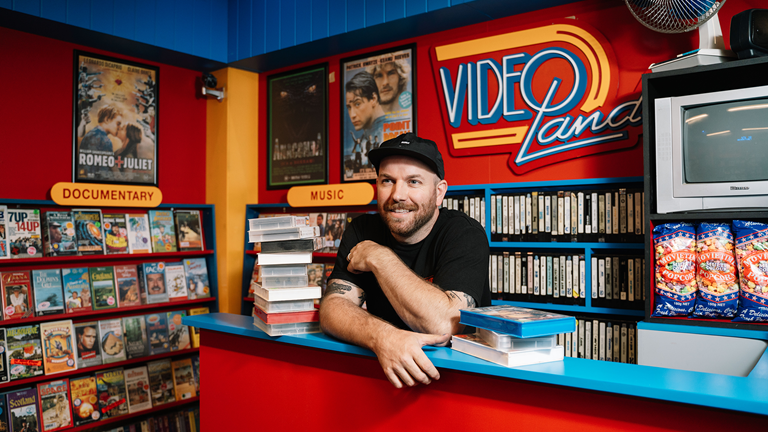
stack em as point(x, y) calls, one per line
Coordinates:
point(364, 254)
point(404, 362)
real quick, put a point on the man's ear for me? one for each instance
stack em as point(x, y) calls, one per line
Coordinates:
point(442, 188)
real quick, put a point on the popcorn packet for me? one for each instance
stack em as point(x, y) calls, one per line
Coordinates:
point(675, 284)
point(718, 295)
point(752, 256)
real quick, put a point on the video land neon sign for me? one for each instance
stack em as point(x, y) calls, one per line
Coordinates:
point(543, 107)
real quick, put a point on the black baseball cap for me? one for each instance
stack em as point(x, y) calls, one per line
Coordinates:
point(409, 144)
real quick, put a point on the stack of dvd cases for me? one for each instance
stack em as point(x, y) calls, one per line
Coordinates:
point(513, 336)
point(283, 299)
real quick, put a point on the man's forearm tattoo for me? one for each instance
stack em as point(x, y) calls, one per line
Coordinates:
point(463, 297)
point(337, 288)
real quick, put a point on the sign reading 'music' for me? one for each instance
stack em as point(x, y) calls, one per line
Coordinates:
point(545, 95)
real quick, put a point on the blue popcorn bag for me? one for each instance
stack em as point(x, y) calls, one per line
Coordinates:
point(752, 256)
point(675, 284)
point(718, 295)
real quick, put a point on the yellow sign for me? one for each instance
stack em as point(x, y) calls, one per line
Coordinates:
point(330, 195)
point(103, 195)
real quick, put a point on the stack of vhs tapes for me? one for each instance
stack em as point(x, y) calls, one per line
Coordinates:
point(513, 336)
point(284, 300)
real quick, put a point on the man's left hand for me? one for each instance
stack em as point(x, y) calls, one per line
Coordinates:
point(364, 254)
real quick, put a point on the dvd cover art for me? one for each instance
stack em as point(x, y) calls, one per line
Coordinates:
point(103, 287)
point(163, 231)
point(49, 296)
point(3, 413)
point(23, 410)
point(55, 412)
point(110, 385)
point(328, 270)
point(196, 369)
point(127, 281)
point(315, 274)
point(111, 339)
point(88, 346)
point(89, 231)
point(59, 234)
point(5, 374)
point(193, 331)
point(183, 379)
point(334, 228)
point(161, 382)
point(17, 295)
point(24, 233)
point(5, 253)
point(176, 281)
point(139, 237)
point(197, 278)
point(154, 282)
point(25, 352)
point(189, 229)
point(178, 333)
point(85, 400)
point(59, 349)
point(157, 332)
point(137, 387)
point(136, 343)
point(77, 289)
point(115, 120)
point(115, 233)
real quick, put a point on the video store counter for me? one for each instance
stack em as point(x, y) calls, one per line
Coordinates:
point(249, 378)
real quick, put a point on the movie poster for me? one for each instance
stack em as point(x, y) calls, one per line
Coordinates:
point(115, 121)
point(298, 118)
point(378, 100)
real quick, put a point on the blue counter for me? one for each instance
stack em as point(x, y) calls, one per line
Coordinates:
point(747, 394)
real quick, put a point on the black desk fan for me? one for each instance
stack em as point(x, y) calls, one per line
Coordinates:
point(680, 16)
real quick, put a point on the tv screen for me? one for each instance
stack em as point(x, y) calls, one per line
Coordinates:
point(726, 142)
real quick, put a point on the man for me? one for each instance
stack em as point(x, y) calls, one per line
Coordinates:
point(391, 80)
point(86, 341)
point(319, 223)
point(362, 100)
point(155, 283)
point(74, 302)
point(414, 265)
point(97, 141)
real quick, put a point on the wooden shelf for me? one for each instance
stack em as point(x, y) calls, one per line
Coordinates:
point(28, 262)
point(91, 369)
point(111, 313)
point(157, 409)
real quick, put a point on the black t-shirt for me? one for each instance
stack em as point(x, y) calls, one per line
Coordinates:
point(454, 256)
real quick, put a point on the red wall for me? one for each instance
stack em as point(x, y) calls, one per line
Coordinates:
point(635, 48)
point(36, 119)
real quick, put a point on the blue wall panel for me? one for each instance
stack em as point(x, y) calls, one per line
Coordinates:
point(31, 7)
point(7, 4)
point(272, 26)
point(320, 13)
point(219, 30)
point(337, 17)
point(244, 25)
point(102, 16)
point(355, 15)
point(183, 30)
point(287, 23)
point(437, 4)
point(394, 10)
point(258, 34)
point(201, 28)
point(51, 9)
point(145, 21)
point(415, 7)
point(79, 13)
point(164, 31)
point(232, 30)
point(374, 12)
point(125, 19)
point(303, 21)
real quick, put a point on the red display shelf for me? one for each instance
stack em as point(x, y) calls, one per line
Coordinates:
point(112, 313)
point(167, 406)
point(248, 299)
point(23, 262)
point(91, 369)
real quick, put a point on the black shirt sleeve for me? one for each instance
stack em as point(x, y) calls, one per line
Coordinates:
point(351, 237)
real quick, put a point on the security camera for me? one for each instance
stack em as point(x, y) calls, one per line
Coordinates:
point(209, 87)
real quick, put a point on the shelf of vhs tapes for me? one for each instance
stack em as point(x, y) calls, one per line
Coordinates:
point(603, 338)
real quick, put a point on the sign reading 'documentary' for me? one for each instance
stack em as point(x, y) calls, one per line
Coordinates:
point(103, 195)
point(544, 95)
point(347, 194)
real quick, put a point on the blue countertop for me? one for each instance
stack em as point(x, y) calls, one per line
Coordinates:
point(747, 394)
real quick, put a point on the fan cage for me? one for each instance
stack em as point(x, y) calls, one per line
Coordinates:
point(673, 16)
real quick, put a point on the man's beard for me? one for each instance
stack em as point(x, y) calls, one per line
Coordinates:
point(422, 215)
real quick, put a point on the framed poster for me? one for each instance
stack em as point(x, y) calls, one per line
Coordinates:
point(378, 102)
point(297, 127)
point(114, 121)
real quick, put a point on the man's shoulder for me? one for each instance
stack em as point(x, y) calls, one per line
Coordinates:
point(454, 223)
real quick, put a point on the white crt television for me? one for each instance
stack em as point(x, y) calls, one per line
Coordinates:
point(712, 151)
